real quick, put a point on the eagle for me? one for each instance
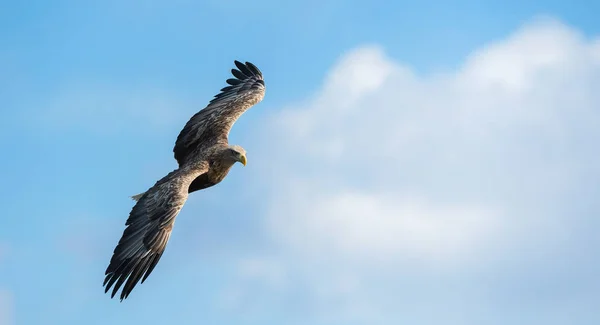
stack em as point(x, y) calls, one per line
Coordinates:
point(204, 157)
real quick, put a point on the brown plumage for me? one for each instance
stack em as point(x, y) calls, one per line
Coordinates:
point(204, 157)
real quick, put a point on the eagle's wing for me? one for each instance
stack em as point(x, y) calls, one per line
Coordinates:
point(148, 230)
point(215, 120)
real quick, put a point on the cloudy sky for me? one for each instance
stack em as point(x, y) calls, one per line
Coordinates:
point(432, 163)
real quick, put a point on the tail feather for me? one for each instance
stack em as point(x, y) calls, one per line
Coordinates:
point(138, 196)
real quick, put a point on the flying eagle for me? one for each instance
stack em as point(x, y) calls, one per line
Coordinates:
point(205, 157)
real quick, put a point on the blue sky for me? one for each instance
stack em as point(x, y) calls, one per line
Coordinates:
point(428, 163)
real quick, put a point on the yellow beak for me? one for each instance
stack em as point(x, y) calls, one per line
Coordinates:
point(243, 160)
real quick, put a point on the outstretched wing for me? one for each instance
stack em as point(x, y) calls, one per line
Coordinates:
point(214, 121)
point(148, 230)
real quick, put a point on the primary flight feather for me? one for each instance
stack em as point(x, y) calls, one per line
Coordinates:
point(204, 157)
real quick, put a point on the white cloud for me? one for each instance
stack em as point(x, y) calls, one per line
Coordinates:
point(401, 175)
point(380, 226)
point(480, 149)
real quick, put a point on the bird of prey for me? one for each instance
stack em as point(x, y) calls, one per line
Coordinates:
point(204, 157)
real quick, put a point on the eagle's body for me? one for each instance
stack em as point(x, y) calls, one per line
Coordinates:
point(204, 157)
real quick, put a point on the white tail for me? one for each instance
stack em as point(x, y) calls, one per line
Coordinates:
point(138, 196)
